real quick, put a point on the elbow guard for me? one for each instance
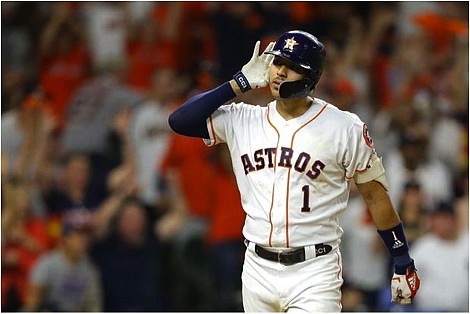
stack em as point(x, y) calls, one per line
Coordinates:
point(374, 172)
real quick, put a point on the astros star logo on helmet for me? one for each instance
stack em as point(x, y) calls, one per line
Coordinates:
point(290, 43)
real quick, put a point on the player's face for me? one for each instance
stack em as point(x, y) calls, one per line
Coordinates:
point(283, 70)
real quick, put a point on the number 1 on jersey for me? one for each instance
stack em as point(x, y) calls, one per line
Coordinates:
point(306, 190)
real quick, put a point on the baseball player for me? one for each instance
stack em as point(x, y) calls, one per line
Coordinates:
point(294, 161)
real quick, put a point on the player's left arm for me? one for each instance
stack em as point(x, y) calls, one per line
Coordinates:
point(372, 185)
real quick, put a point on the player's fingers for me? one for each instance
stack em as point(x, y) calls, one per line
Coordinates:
point(267, 57)
point(256, 50)
point(405, 301)
point(396, 295)
point(269, 47)
point(269, 60)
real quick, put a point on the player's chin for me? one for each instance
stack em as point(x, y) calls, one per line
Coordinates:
point(274, 90)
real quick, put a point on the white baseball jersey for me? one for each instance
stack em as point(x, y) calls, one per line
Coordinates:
point(293, 175)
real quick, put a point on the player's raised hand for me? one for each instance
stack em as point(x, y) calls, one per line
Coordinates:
point(404, 287)
point(255, 74)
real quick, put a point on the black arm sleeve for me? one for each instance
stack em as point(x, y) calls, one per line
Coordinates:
point(190, 118)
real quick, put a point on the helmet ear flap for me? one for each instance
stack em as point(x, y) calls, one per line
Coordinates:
point(295, 89)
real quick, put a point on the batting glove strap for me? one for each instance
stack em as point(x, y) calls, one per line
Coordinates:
point(403, 263)
point(242, 81)
point(404, 287)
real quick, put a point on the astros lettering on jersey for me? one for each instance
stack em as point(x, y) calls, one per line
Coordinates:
point(293, 175)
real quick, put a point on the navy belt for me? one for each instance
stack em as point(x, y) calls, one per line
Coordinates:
point(291, 257)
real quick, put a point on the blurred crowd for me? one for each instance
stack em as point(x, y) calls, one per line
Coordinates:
point(105, 209)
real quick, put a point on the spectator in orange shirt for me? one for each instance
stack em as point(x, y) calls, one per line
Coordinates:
point(227, 215)
point(64, 57)
point(188, 158)
point(149, 51)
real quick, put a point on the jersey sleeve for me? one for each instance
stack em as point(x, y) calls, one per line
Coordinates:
point(220, 123)
point(359, 149)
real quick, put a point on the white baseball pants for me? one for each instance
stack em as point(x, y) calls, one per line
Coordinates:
point(310, 286)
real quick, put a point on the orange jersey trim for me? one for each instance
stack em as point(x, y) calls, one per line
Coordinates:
point(272, 194)
point(340, 271)
point(349, 178)
point(212, 130)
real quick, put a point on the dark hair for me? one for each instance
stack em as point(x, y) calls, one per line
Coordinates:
point(412, 185)
point(130, 200)
point(444, 208)
point(67, 158)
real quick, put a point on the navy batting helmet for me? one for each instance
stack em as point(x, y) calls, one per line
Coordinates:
point(305, 50)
